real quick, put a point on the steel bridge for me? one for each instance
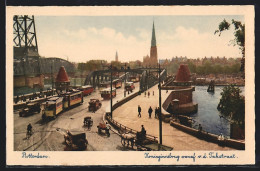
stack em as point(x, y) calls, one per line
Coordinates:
point(148, 76)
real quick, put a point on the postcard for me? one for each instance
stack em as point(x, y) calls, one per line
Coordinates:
point(130, 85)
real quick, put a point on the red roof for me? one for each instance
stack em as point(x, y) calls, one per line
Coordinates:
point(62, 75)
point(183, 74)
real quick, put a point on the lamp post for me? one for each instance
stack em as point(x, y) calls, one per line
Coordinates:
point(160, 107)
point(125, 81)
point(111, 85)
point(52, 77)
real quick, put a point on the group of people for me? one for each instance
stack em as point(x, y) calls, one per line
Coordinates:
point(148, 94)
point(150, 111)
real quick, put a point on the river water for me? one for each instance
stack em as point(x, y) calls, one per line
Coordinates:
point(208, 115)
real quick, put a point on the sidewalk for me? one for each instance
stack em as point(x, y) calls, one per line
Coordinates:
point(127, 115)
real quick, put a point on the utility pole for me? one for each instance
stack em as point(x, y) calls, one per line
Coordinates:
point(52, 78)
point(160, 107)
point(125, 81)
point(111, 85)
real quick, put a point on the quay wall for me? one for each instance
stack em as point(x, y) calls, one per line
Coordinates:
point(240, 145)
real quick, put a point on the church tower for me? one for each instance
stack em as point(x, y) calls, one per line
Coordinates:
point(153, 50)
point(116, 56)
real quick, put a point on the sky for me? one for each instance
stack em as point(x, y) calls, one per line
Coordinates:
point(83, 38)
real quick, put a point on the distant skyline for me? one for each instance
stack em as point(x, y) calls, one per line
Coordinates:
point(83, 38)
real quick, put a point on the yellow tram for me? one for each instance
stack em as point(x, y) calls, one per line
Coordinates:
point(55, 105)
point(72, 98)
point(52, 107)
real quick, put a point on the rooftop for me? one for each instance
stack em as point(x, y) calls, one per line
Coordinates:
point(62, 75)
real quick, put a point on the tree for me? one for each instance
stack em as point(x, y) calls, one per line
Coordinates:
point(232, 104)
point(239, 36)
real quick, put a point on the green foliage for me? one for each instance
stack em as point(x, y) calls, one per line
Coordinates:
point(232, 104)
point(224, 25)
point(91, 65)
point(192, 67)
point(173, 68)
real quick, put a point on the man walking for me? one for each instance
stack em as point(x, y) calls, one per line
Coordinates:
point(150, 111)
point(139, 111)
point(156, 112)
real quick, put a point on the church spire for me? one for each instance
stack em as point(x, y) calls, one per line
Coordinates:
point(116, 56)
point(153, 42)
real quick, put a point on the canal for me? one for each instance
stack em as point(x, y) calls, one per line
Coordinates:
point(208, 115)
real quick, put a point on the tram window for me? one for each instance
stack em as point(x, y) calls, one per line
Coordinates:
point(51, 107)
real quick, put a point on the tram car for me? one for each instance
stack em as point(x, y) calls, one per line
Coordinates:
point(106, 94)
point(87, 90)
point(103, 85)
point(55, 105)
point(72, 98)
point(134, 79)
point(52, 107)
point(129, 86)
point(117, 83)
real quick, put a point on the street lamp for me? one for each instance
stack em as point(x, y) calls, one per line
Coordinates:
point(160, 107)
point(111, 85)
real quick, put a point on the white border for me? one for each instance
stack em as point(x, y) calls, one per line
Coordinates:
point(133, 158)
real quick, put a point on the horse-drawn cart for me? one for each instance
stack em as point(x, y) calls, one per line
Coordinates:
point(141, 142)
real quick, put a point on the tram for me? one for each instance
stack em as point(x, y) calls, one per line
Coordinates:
point(103, 85)
point(72, 98)
point(117, 83)
point(106, 93)
point(55, 105)
point(87, 90)
point(52, 107)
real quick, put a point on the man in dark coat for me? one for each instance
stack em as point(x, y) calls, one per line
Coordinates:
point(139, 111)
point(150, 111)
point(156, 111)
point(29, 128)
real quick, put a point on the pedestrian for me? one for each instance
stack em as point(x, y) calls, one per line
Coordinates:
point(153, 93)
point(150, 110)
point(143, 131)
point(29, 131)
point(145, 94)
point(156, 112)
point(107, 129)
point(139, 111)
point(148, 94)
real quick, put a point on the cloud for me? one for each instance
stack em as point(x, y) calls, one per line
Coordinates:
point(92, 43)
point(192, 43)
